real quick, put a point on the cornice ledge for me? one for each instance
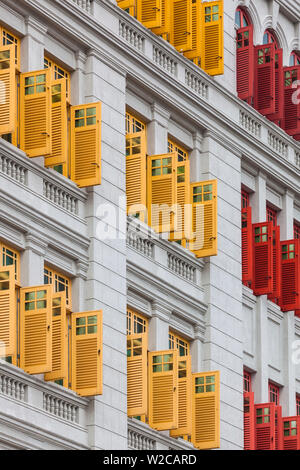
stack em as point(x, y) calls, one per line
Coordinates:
point(99, 55)
point(36, 244)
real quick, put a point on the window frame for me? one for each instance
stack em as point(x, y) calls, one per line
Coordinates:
point(274, 393)
point(176, 342)
point(133, 319)
point(53, 275)
point(16, 257)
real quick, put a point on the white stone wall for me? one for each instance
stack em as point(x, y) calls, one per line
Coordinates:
point(116, 60)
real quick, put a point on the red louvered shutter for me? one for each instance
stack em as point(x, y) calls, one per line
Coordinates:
point(247, 246)
point(249, 421)
point(278, 428)
point(265, 426)
point(291, 121)
point(291, 433)
point(262, 258)
point(279, 89)
point(245, 63)
point(290, 282)
point(264, 83)
point(276, 293)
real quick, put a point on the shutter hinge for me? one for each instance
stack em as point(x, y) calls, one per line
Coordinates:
point(18, 356)
point(69, 384)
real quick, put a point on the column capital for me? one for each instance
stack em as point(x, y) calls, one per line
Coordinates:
point(36, 29)
point(35, 244)
point(161, 311)
point(160, 115)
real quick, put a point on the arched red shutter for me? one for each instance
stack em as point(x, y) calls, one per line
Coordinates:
point(264, 82)
point(245, 63)
point(279, 88)
point(291, 121)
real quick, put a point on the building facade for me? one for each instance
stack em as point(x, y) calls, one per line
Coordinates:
point(77, 237)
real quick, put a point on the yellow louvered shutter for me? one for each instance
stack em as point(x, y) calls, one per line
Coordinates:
point(206, 410)
point(59, 370)
point(162, 191)
point(165, 27)
point(184, 398)
point(181, 25)
point(36, 329)
point(204, 219)
point(35, 113)
point(212, 33)
point(149, 13)
point(137, 374)
point(8, 92)
point(59, 130)
point(195, 52)
point(86, 144)
point(136, 173)
point(182, 230)
point(86, 375)
point(8, 314)
point(163, 390)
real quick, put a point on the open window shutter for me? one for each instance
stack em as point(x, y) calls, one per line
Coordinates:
point(86, 374)
point(181, 25)
point(181, 229)
point(59, 130)
point(163, 390)
point(291, 433)
point(278, 428)
point(35, 113)
point(86, 144)
point(137, 375)
point(195, 52)
point(290, 279)
point(247, 246)
point(262, 258)
point(265, 426)
point(291, 121)
point(184, 398)
point(279, 88)
point(8, 314)
point(8, 93)
point(149, 13)
point(136, 176)
point(36, 329)
point(212, 43)
point(59, 370)
point(245, 63)
point(276, 293)
point(164, 29)
point(206, 410)
point(264, 81)
point(162, 191)
point(249, 421)
point(204, 218)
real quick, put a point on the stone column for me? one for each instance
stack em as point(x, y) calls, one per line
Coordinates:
point(157, 131)
point(286, 217)
point(197, 349)
point(259, 199)
point(32, 46)
point(32, 261)
point(78, 79)
point(158, 338)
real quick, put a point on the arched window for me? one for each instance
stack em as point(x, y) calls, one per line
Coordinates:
point(245, 57)
point(294, 59)
point(270, 38)
point(241, 18)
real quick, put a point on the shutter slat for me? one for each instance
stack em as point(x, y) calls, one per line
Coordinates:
point(8, 90)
